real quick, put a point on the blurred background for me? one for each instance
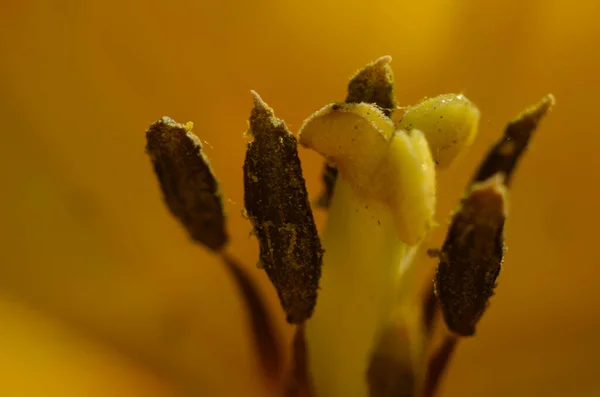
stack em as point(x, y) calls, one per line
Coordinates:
point(101, 291)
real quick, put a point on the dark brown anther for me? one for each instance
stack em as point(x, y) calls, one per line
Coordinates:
point(471, 256)
point(504, 155)
point(192, 194)
point(189, 187)
point(277, 203)
point(372, 84)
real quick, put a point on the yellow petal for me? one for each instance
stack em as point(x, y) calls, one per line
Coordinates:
point(42, 357)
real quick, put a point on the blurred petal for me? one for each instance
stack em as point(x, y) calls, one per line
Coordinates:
point(80, 81)
point(67, 253)
point(40, 357)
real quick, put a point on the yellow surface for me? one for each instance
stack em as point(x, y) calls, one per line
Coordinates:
point(86, 240)
point(449, 122)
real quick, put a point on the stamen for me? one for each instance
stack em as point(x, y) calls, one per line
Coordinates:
point(277, 204)
point(192, 194)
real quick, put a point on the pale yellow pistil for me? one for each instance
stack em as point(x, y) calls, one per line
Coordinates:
point(382, 207)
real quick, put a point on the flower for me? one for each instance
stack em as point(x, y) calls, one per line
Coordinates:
point(80, 215)
point(359, 332)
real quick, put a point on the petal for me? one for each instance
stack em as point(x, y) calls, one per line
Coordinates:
point(42, 357)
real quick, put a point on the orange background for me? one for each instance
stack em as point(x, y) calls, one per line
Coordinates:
point(89, 253)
